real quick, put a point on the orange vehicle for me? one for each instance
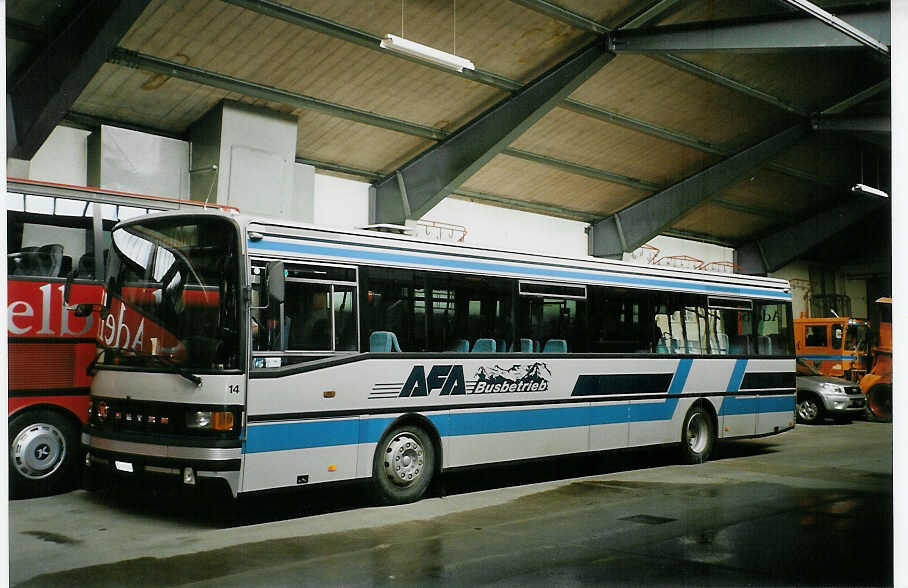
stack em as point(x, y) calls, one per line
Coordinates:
point(833, 346)
point(877, 385)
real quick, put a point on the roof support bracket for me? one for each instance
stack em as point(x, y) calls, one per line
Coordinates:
point(627, 229)
point(435, 173)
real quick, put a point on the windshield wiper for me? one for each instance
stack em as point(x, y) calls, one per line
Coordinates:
point(177, 368)
point(160, 360)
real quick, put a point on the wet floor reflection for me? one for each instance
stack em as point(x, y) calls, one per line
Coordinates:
point(589, 531)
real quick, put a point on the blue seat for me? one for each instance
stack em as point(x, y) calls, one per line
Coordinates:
point(460, 346)
point(661, 347)
point(383, 342)
point(555, 346)
point(525, 346)
point(484, 346)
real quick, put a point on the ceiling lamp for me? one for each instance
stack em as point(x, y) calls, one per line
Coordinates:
point(869, 191)
point(425, 53)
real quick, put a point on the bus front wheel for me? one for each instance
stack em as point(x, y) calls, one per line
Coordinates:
point(879, 403)
point(403, 465)
point(43, 453)
point(698, 435)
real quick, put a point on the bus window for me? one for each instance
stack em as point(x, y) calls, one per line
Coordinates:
point(542, 319)
point(682, 323)
point(44, 245)
point(730, 326)
point(468, 308)
point(774, 331)
point(616, 321)
point(394, 301)
point(307, 317)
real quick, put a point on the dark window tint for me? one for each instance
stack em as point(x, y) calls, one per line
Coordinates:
point(816, 335)
point(620, 321)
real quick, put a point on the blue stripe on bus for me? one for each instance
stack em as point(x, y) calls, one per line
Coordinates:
point(827, 357)
point(737, 375)
point(307, 434)
point(757, 405)
point(460, 263)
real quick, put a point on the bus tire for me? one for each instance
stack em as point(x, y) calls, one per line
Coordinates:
point(879, 403)
point(44, 453)
point(698, 435)
point(403, 465)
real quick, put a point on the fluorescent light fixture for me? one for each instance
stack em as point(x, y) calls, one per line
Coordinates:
point(869, 191)
point(426, 53)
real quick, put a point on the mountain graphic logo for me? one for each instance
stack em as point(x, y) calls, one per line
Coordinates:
point(517, 378)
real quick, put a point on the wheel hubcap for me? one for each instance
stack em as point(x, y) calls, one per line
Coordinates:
point(38, 450)
point(808, 410)
point(697, 433)
point(404, 459)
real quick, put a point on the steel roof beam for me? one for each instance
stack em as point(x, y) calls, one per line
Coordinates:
point(717, 78)
point(775, 251)
point(748, 35)
point(858, 98)
point(269, 93)
point(840, 25)
point(658, 10)
point(369, 41)
point(564, 15)
point(50, 85)
point(583, 170)
point(437, 172)
point(340, 31)
point(633, 226)
point(536, 207)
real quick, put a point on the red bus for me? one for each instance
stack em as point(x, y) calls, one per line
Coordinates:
point(54, 231)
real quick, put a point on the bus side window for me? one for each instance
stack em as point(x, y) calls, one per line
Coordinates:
point(48, 237)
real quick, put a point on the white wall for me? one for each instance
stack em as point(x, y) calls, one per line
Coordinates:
point(63, 158)
point(798, 273)
point(340, 203)
point(493, 226)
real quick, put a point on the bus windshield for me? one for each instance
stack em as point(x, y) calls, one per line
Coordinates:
point(172, 287)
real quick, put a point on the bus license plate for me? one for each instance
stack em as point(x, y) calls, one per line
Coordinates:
point(123, 466)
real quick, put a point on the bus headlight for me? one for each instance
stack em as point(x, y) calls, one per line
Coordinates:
point(210, 420)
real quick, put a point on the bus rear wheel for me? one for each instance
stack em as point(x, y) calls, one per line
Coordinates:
point(403, 465)
point(879, 403)
point(43, 453)
point(698, 435)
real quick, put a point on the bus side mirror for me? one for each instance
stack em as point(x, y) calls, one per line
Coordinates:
point(275, 280)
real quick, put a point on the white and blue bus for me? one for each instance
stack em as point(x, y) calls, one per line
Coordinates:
point(267, 354)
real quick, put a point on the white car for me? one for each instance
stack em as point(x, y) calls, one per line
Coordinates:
point(820, 396)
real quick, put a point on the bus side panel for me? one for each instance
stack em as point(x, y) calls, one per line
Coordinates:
point(302, 452)
point(775, 413)
point(488, 435)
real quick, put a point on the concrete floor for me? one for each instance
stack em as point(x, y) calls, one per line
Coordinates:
point(809, 507)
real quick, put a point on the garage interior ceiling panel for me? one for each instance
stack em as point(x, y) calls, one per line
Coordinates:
point(646, 89)
point(835, 157)
point(501, 37)
point(335, 140)
point(582, 139)
point(776, 194)
point(525, 180)
point(811, 80)
point(636, 126)
point(721, 223)
point(147, 99)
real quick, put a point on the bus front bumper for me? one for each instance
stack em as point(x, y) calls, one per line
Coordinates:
point(186, 465)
